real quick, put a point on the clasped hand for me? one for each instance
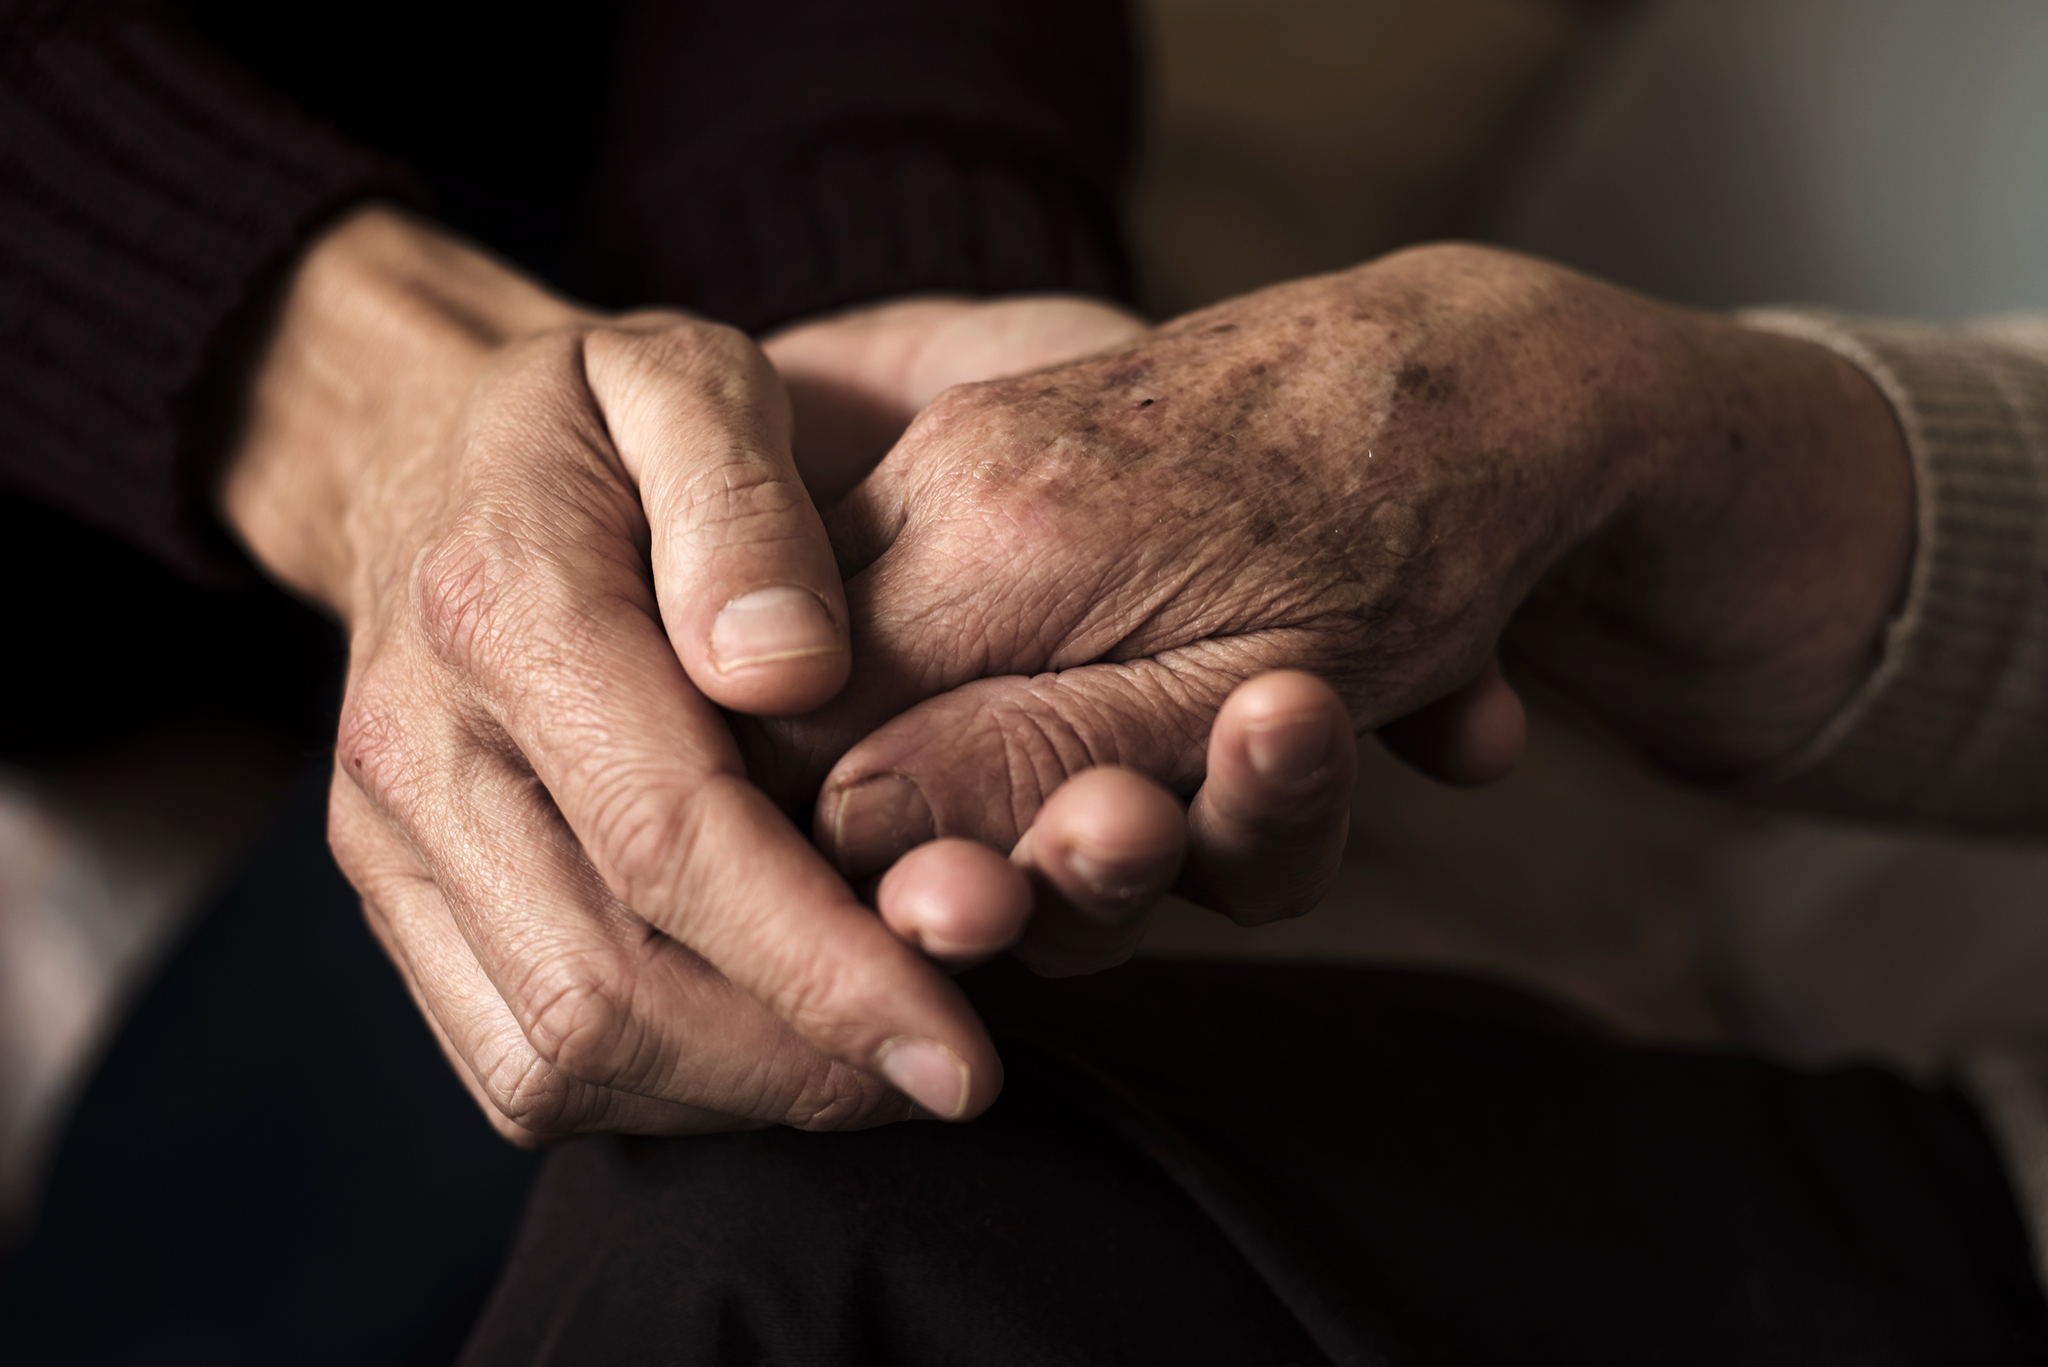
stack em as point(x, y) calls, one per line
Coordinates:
point(600, 649)
point(560, 544)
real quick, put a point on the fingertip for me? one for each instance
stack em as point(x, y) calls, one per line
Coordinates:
point(1109, 833)
point(779, 650)
point(864, 996)
point(942, 1084)
point(1105, 847)
point(1269, 825)
point(957, 900)
point(1496, 730)
point(1469, 739)
point(1290, 730)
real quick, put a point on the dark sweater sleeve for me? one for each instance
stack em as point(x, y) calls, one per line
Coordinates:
point(777, 159)
point(148, 191)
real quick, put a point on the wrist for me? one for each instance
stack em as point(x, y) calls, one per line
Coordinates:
point(1739, 595)
point(375, 337)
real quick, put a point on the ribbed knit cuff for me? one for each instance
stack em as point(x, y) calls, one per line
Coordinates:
point(1951, 729)
point(148, 191)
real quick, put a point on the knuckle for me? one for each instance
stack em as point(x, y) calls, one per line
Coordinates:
point(663, 342)
point(520, 567)
point(460, 594)
point(577, 1016)
point(1448, 253)
point(1042, 747)
point(725, 356)
point(643, 833)
point(837, 1097)
point(522, 621)
point(531, 1098)
point(646, 359)
point(1033, 764)
point(963, 404)
point(792, 1083)
point(821, 996)
point(742, 498)
point(373, 749)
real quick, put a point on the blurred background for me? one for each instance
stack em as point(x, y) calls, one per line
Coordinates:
point(1881, 156)
point(1884, 157)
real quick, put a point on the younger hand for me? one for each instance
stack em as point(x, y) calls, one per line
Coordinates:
point(560, 543)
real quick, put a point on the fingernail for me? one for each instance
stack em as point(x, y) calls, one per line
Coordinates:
point(1112, 875)
point(875, 820)
point(1290, 749)
point(782, 622)
point(928, 1073)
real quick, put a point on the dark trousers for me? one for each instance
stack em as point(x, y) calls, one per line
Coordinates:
point(1191, 1164)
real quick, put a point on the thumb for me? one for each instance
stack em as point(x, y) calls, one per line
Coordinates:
point(747, 585)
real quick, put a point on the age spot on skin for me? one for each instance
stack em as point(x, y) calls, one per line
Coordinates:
point(1735, 442)
point(1418, 379)
point(1397, 528)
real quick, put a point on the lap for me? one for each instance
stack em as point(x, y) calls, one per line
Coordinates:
point(1031, 1236)
point(1227, 1163)
point(1194, 1162)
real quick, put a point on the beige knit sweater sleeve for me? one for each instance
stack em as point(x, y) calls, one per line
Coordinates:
point(1951, 728)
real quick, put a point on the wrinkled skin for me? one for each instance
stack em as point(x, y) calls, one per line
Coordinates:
point(1366, 476)
point(533, 521)
point(542, 528)
point(1267, 839)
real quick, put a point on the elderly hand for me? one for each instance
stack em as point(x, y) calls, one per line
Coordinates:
point(856, 380)
point(560, 543)
point(1697, 529)
point(1109, 842)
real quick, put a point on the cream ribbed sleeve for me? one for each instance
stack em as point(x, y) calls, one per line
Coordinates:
point(1951, 728)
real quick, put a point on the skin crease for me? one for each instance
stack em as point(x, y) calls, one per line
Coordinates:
point(528, 516)
point(1696, 530)
point(419, 455)
point(857, 382)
